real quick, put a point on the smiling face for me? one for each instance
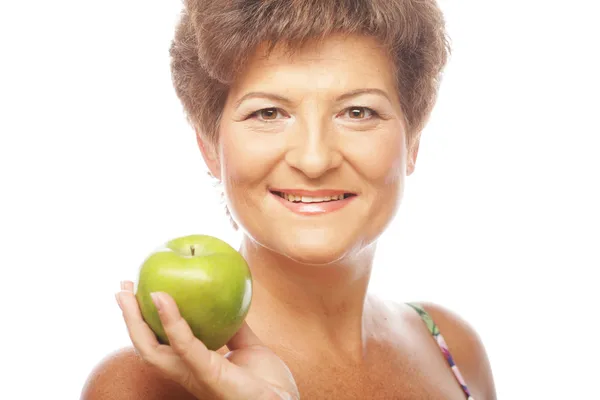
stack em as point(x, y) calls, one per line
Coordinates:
point(312, 149)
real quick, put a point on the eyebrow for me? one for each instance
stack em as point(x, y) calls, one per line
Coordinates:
point(285, 100)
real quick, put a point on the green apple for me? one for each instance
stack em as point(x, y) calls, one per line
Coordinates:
point(208, 279)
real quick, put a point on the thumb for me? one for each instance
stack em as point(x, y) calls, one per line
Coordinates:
point(244, 337)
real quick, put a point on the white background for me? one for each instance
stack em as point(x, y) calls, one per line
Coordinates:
point(500, 221)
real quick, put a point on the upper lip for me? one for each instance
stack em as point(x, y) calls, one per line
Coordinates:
point(312, 193)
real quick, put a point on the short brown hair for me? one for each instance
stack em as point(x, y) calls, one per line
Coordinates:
point(214, 38)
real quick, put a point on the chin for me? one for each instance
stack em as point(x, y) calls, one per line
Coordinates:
point(315, 255)
point(324, 241)
point(315, 247)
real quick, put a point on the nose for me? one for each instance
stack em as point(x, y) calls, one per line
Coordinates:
point(314, 151)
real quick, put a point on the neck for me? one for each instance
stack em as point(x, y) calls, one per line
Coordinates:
point(312, 307)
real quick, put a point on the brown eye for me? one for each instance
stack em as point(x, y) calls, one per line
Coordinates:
point(359, 112)
point(268, 114)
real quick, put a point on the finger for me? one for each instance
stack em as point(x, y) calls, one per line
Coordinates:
point(244, 337)
point(127, 286)
point(144, 340)
point(142, 337)
point(204, 364)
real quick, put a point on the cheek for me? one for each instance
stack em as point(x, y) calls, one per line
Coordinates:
point(380, 159)
point(381, 162)
point(392, 180)
point(247, 157)
point(396, 161)
point(386, 173)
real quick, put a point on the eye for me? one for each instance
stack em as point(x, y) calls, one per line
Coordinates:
point(266, 114)
point(360, 113)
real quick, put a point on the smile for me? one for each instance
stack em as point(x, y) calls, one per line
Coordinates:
point(298, 198)
point(305, 202)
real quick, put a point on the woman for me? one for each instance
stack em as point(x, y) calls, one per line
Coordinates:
point(309, 113)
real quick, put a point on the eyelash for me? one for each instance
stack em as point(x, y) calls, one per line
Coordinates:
point(373, 113)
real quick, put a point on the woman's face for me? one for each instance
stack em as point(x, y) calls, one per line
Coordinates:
point(312, 152)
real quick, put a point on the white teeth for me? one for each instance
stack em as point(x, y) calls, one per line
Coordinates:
point(308, 199)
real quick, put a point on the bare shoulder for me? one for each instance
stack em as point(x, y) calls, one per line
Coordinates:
point(467, 349)
point(122, 375)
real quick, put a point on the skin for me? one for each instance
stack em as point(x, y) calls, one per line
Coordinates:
point(311, 307)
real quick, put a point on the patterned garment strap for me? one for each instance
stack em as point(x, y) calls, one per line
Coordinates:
point(435, 332)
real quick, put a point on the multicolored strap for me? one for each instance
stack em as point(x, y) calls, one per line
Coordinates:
point(435, 332)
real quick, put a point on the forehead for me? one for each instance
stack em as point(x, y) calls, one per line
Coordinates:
point(336, 63)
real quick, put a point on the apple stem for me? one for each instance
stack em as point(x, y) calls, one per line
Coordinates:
point(193, 250)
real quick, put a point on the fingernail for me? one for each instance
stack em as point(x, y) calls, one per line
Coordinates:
point(122, 285)
point(156, 300)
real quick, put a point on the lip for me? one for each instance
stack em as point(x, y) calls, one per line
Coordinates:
point(313, 209)
point(312, 193)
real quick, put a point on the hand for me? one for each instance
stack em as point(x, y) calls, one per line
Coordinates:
point(249, 371)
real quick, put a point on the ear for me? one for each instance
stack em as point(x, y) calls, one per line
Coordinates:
point(413, 152)
point(210, 154)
